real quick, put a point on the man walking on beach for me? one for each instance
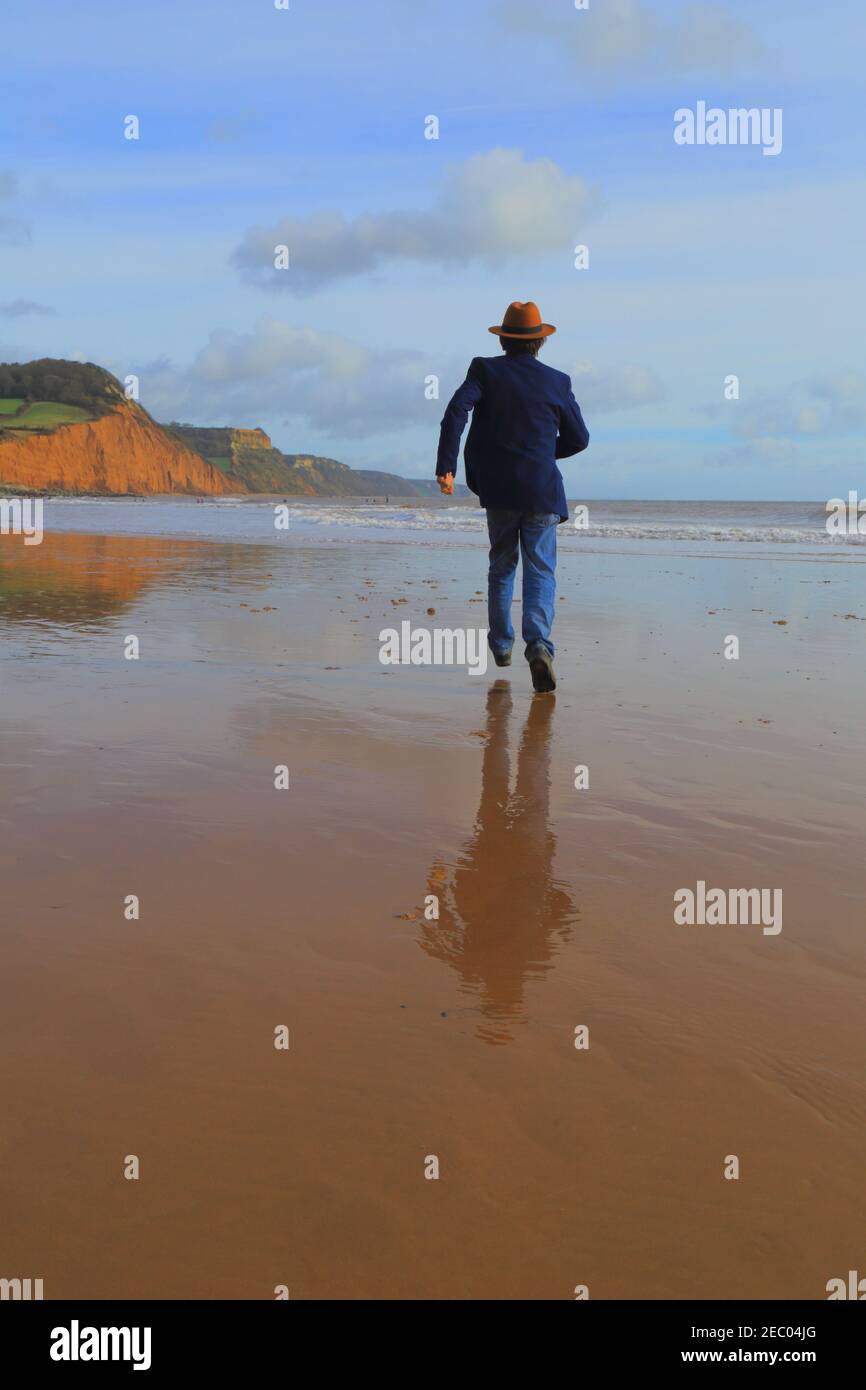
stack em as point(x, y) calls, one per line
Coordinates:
point(524, 418)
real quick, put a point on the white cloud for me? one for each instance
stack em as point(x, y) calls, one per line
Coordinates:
point(231, 130)
point(773, 427)
point(837, 399)
point(492, 207)
point(336, 385)
point(17, 308)
point(708, 38)
point(755, 453)
point(13, 230)
point(828, 404)
point(619, 387)
point(629, 37)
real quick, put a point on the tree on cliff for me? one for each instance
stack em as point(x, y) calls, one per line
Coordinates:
point(54, 379)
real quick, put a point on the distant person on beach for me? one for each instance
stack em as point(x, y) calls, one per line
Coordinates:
point(525, 418)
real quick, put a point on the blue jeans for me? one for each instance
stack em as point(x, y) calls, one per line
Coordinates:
point(532, 535)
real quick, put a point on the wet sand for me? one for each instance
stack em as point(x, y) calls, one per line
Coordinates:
point(410, 1037)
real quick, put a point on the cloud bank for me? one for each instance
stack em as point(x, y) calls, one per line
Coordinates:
point(822, 404)
point(337, 386)
point(770, 427)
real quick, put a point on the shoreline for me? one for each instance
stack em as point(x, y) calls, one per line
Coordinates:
point(680, 530)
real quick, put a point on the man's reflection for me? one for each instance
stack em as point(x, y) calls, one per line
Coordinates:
point(500, 909)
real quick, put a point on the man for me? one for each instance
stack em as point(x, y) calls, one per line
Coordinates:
point(525, 418)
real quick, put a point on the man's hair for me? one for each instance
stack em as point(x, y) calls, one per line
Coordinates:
point(515, 345)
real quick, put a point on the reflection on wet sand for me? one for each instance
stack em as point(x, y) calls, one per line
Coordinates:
point(501, 911)
point(77, 578)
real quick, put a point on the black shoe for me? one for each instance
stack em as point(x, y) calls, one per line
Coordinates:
point(502, 660)
point(541, 668)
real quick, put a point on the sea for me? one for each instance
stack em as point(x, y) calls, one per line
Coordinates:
point(614, 526)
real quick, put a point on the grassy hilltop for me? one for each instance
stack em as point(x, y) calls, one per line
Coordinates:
point(50, 392)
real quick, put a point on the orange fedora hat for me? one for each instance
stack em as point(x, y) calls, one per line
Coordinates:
point(522, 321)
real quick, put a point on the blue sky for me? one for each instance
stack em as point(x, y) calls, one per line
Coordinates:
point(260, 126)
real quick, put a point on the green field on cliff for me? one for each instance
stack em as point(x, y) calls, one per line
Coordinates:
point(17, 414)
point(42, 395)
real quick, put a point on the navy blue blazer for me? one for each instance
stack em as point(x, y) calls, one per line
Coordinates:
point(524, 418)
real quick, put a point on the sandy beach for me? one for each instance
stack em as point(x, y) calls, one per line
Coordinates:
point(413, 1037)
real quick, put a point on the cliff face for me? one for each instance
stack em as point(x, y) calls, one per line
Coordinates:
point(123, 452)
point(249, 459)
point(251, 439)
point(218, 441)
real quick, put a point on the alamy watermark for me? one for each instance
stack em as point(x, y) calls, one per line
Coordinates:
point(719, 907)
point(739, 125)
point(77, 1343)
point(22, 516)
point(846, 518)
point(854, 1287)
point(23, 1290)
point(438, 646)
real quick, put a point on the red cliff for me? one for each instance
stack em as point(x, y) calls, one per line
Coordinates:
point(122, 452)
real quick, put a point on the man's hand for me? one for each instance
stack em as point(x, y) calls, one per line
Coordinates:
point(446, 483)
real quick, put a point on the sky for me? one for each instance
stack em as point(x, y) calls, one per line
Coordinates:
point(305, 124)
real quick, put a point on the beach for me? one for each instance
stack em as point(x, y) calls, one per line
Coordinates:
point(598, 1166)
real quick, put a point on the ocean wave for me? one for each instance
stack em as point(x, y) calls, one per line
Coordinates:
point(707, 525)
point(469, 520)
